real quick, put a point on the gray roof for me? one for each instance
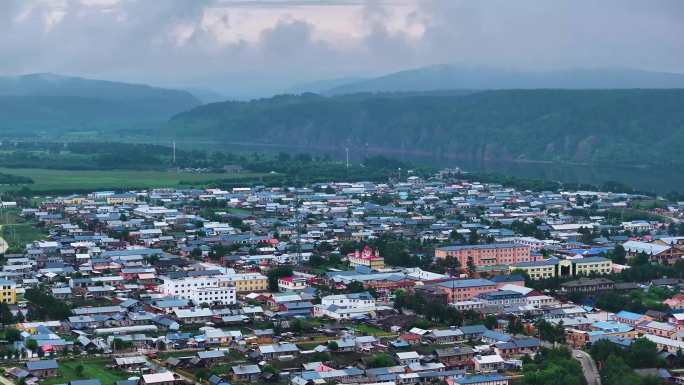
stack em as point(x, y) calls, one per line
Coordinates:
point(246, 369)
point(42, 365)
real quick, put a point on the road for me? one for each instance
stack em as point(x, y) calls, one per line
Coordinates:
point(3, 245)
point(589, 368)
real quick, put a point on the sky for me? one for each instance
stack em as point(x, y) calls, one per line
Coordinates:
point(260, 46)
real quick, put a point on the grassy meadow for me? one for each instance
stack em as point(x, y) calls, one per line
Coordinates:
point(47, 180)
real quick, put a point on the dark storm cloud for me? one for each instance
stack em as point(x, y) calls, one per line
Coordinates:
point(271, 44)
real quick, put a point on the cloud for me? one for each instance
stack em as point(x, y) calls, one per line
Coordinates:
point(257, 46)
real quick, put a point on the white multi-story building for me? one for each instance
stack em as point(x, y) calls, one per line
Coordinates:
point(345, 306)
point(212, 289)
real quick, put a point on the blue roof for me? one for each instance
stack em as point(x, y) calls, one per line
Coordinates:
point(611, 327)
point(480, 378)
point(624, 314)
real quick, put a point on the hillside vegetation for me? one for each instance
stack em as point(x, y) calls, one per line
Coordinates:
point(32, 105)
point(592, 126)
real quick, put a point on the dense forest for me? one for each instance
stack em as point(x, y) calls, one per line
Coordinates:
point(585, 126)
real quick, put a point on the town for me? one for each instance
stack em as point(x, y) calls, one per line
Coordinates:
point(439, 280)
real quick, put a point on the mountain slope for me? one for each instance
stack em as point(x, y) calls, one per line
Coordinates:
point(443, 77)
point(53, 103)
point(616, 126)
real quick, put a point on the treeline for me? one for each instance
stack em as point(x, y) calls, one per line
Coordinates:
point(43, 306)
point(14, 179)
point(552, 367)
point(616, 363)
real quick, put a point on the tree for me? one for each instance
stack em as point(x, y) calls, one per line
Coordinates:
point(31, 345)
point(355, 287)
point(619, 254)
point(380, 360)
point(6, 316)
point(332, 345)
point(490, 321)
point(473, 237)
point(79, 370)
point(515, 326)
point(275, 274)
point(45, 306)
point(196, 253)
point(12, 335)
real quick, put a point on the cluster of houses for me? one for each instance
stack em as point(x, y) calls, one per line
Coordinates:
point(191, 269)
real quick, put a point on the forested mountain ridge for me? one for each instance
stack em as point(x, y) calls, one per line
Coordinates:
point(445, 77)
point(603, 126)
point(35, 103)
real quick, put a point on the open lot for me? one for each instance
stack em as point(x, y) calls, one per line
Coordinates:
point(46, 180)
point(93, 368)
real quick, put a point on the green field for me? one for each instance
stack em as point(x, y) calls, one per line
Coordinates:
point(96, 368)
point(17, 236)
point(74, 180)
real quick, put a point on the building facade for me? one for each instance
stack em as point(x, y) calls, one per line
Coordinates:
point(487, 255)
point(213, 289)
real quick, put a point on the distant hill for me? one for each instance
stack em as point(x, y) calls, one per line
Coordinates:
point(322, 86)
point(54, 103)
point(206, 95)
point(443, 77)
point(600, 126)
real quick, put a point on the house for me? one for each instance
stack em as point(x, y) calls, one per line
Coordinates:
point(631, 319)
point(473, 332)
point(517, 347)
point(43, 368)
point(245, 373)
point(660, 329)
point(492, 363)
point(163, 378)
point(365, 343)
point(274, 351)
point(459, 357)
point(411, 338)
point(211, 357)
point(587, 285)
point(200, 315)
point(130, 363)
point(346, 306)
point(406, 358)
point(291, 283)
point(448, 336)
point(480, 379)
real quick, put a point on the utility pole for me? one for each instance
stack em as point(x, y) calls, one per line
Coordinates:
point(346, 150)
point(174, 152)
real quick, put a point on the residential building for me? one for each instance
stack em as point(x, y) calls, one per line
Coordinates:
point(554, 267)
point(345, 306)
point(248, 282)
point(491, 363)
point(466, 289)
point(488, 254)
point(291, 283)
point(8, 291)
point(204, 289)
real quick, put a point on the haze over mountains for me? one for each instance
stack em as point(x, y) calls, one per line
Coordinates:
point(48, 102)
point(447, 77)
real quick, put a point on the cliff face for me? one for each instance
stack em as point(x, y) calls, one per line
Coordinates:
point(609, 126)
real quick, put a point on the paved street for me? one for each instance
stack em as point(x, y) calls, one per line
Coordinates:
point(589, 368)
